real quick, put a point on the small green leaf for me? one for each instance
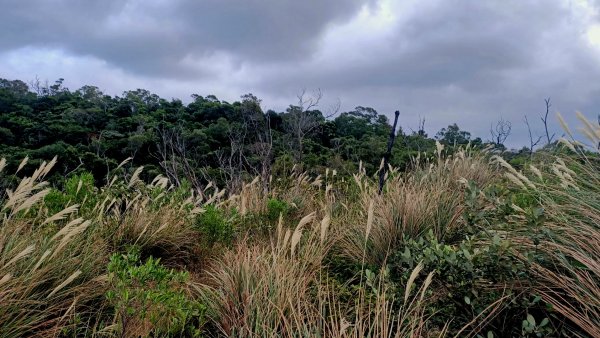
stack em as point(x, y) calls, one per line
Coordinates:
point(537, 212)
point(531, 320)
point(467, 300)
point(496, 240)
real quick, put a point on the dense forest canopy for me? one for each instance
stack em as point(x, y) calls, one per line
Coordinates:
point(205, 140)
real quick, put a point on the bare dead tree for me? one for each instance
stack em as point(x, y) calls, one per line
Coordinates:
point(259, 126)
point(250, 148)
point(173, 157)
point(229, 169)
point(167, 155)
point(68, 173)
point(419, 132)
point(500, 131)
point(334, 109)
point(544, 119)
point(41, 89)
point(532, 143)
point(309, 102)
point(234, 161)
point(303, 119)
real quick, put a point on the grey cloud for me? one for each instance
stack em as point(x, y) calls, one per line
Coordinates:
point(471, 62)
point(460, 43)
point(152, 38)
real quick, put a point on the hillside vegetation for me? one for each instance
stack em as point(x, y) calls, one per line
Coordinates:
point(460, 242)
point(206, 140)
point(464, 245)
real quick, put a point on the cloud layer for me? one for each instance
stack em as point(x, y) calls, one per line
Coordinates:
point(463, 61)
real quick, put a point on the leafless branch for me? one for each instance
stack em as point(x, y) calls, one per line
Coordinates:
point(500, 131)
point(532, 143)
point(545, 121)
point(172, 153)
point(302, 120)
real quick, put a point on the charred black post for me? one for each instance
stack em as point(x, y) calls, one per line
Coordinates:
point(388, 153)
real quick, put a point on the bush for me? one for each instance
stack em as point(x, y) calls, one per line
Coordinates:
point(276, 207)
point(214, 226)
point(76, 190)
point(470, 276)
point(149, 298)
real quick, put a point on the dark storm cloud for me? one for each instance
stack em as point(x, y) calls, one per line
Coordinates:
point(471, 44)
point(472, 62)
point(153, 38)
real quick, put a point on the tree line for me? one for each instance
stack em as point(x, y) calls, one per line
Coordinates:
point(205, 140)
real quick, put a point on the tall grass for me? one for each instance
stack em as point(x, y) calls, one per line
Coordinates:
point(53, 265)
point(567, 272)
point(428, 198)
point(281, 290)
point(257, 290)
point(570, 279)
point(55, 247)
point(46, 275)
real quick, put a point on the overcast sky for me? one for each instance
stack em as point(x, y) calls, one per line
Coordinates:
point(465, 61)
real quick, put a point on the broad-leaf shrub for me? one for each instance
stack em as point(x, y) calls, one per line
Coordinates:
point(276, 207)
point(149, 298)
point(214, 225)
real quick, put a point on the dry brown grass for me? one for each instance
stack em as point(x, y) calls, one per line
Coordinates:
point(53, 267)
point(429, 198)
point(299, 189)
point(256, 290)
point(379, 315)
point(568, 274)
point(45, 278)
point(572, 282)
point(280, 290)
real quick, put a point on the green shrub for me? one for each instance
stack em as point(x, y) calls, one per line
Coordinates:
point(466, 274)
point(151, 297)
point(77, 189)
point(276, 207)
point(214, 226)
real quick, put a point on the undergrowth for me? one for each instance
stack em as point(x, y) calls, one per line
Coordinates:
point(462, 245)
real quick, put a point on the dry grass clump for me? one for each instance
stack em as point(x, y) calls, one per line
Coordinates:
point(44, 277)
point(567, 186)
point(371, 315)
point(164, 231)
point(280, 290)
point(53, 266)
point(429, 198)
point(258, 290)
point(570, 280)
point(251, 199)
point(298, 189)
point(303, 191)
point(156, 217)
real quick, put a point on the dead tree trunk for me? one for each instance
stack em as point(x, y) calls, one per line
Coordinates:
point(545, 121)
point(388, 153)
